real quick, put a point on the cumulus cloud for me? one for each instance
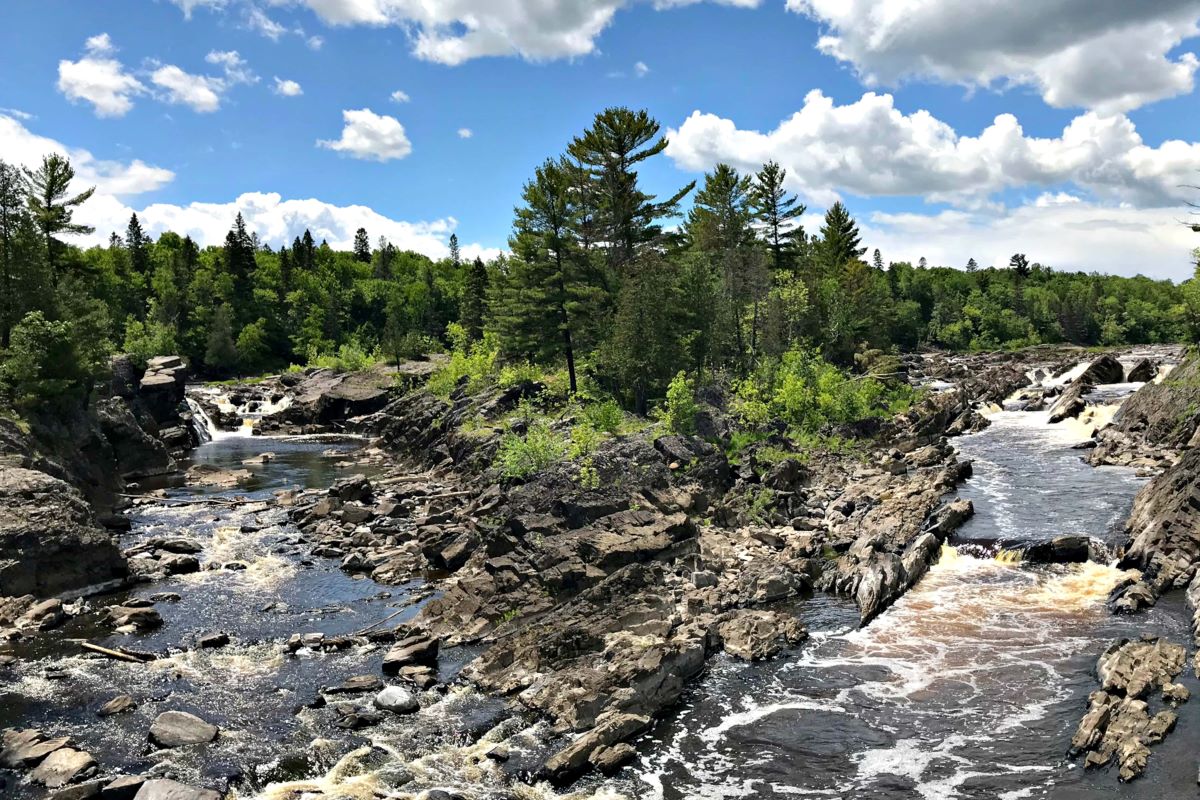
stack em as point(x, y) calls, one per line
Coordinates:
point(287, 88)
point(258, 21)
point(1067, 234)
point(870, 147)
point(202, 93)
point(455, 31)
point(276, 220)
point(1107, 55)
point(99, 78)
point(640, 69)
point(400, 96)
point(370, 136)
point(21, 146)
point(188, 6)
point(465, 133)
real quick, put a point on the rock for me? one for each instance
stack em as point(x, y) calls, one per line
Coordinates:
point(1158, 418)
point(63, 766)
point(1105, 369)
point(213, 641)
point(123, 788)
point(137, 453)
point(755, 635)
point(351, 488)
point(134, 618)
point(179, 729)
point(26, 748)
point(398, 700)
point(49, 541)
point(609, 759)
point(1141, 372)
point(355, 719)
point(160, 789)
point(1071, 403)
point(81, 791)
point(44, 615)
point(420, 650)
point(118, 705)
point(359, 683)
point(609, 730)
point(180, 564)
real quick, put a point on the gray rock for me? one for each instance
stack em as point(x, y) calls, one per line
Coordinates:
point(118, 705)
point(398, 700)
point(160, 789)
point(63, 766)
point(179, 728)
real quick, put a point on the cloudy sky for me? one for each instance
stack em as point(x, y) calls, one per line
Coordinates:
point(1066, 129)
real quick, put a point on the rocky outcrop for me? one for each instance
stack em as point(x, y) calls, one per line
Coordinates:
point(1163, 535)
point(324, 395)
point(1120, 722)
point(49, 541)
point(1071, 403)
point(1158, 421)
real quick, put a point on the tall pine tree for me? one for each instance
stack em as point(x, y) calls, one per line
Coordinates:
point(777, 214)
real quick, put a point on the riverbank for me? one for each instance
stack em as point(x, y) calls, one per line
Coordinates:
point(540, 626)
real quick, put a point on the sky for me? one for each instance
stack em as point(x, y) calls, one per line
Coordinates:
point(952, 129)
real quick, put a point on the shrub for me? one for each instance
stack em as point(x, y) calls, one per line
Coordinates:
point(584, 440)
point(475, 361)
point(679, 411)
point(42, 361)
point(515, 374)
point(604, 416)
point(350, 357)
point(144, 340)
point(523, 456)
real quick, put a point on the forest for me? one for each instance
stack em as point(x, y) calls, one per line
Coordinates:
point(613, 289)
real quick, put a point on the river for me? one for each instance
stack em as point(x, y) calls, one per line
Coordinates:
point(968, 687)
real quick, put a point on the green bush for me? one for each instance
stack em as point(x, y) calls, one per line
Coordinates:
point(42, 361)
point(584, 440)
point(144, 340)
point(475, 361)
point(604, 416)
point(523, 456)
point(350, 357)
point(678, 413)
point(515, 374)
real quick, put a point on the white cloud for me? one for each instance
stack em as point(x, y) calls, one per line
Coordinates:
point(400, 96)
point(1106, 55)
point(258, 21)
point(315, 42)
point(99, 79)
point(465, 133)
point(277, 221)
point(21, 146)
point(16, 113)
point(235, 67)
point(200, 92)
point(870, 148)
point(188, 6)
point(454, 31)
point(287, 88)
point(1071, 235)
point(640, 69)
point(368, 135)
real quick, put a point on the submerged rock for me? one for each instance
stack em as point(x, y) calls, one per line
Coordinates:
point(179, 729)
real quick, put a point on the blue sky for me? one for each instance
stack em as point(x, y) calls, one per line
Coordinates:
point(174, 108)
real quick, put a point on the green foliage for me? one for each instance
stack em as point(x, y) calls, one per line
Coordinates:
point(678, 413)
point(520, 456)
point(472, 362)
point(604, 416)
point(144, 340)
point(584, 441)
point(43, 361)
point(349, 357)
point(518, 373)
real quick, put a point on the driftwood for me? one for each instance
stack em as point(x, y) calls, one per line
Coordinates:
point(117, 654)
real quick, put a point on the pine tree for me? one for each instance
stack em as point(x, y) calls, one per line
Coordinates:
point(840, 238)
point(221, 352)
point(777, 214)
point(362, 246)
point(50, 205)
point(877, 260)
point(239, 260)
point(626, 219)
point(1019, 265)
point(13, 217)
point(455, 256)
point(474, 299)
point(922, 263)
point(972, 265)
point(138, 245)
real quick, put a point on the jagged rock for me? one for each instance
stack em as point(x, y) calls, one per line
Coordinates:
point(179, 729)
point(1105, 369)
point(161, 789)
point(610, 729)
point(49, 542)
point(27, 748)
point(1071, 403)
point(65, 765)
point(137, 452)
point(125, 787)
point(353, 488)
point(415, 650)
point(119, 704)
point(1141, 372)
point(134, 618)
point(398, 700)
point(1159, 418)
point(755, 635)
point(357, 684)
point(43, 615)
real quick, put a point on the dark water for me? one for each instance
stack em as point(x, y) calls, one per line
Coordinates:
point(252, 688)
point(969, 687)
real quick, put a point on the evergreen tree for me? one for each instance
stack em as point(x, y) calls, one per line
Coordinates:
point(13, 219)
point(474, 299)
point(1019, 264)
point(840, 238)
point(922, 263)
point(240, 262)
point(362, 246)
point(50, 205)
point(455, 256)
point(626, 219)
point(877, 260)
point(777, 214)
point(972, 265)
point(221, 352)
point(138, 245)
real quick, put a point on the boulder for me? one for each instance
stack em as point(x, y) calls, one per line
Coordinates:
point(1105, 369)
point(610, 729)
point(179, 729)
point(27, 748)
point(65, 765)
point(755, 635)
point(398, 700)
point(414, 650)
point(118, 705)
point(161, 789)
point(49, 541)
point(1143, 371)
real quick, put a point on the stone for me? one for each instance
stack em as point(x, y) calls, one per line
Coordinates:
point(755, 635)
point(610, 729)
point(43, 615)
point(26, 748)
point(118, 705)
point(355, 719)
point(179, 729)
point(122, 788)
point(161, 789)
point(1141, 372)
point(80, 791)
point(213, 641)
point(134, 618)
point(420, 650)
point(398, 700)
point(63, 766)
point(357, 684)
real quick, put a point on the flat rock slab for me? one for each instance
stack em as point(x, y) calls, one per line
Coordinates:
point(170, 790)
point(117, 705)
point(359, 683)
point(62, 767)
point(28, 747)
point(179, 729)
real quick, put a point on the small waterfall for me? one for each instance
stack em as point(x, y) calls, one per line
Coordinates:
point(206, 429)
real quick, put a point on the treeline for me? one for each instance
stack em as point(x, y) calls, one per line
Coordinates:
point(598, 282)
